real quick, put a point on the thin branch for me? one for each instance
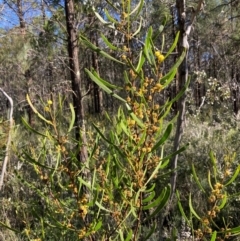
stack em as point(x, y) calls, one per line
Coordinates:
point(203, 100)
point(231, 18)
point(222, 5)
point(4, 167)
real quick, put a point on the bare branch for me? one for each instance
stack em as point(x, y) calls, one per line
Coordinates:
point(224, 4)
point(4, 167)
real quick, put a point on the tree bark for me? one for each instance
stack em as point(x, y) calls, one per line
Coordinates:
point(183, 45)
point(96, 91)
point(73, 50)
point(181, 76)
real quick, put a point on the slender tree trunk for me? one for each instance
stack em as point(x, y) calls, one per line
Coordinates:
point(184, 29)
point(73, 50)
point(182, 76)
point(175, 89)
point(27, 72)
point(96, 91)
point(21, 17)
point(43, 11)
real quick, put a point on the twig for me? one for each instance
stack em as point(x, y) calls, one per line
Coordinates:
point(203, 100)
point(4, 167)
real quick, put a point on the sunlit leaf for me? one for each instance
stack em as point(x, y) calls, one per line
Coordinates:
point(149, 197)
point(109, 24)
point(192, 209)
point(173, 45)
point(139, 28)
point(102, 208)
point(98, 226)
point(214, 236)
point(209, 180)
point(196, 178)
point(103, 86)
point(223, 201)
point(154, 172)
point(36, 112)
point(129, 235)
point(56, 164)
point(86, 184)
point(147, 47)
point(151, 189)
point(109, 44)
point(235, 230)
point(156, 201)
point(110, 18)
point(133, 210)
point(125, 129)
point(72, 118)
point(140, 62)
point(162, 204)
point(214, 162)
point(98, 50)
point(138, 8)
point(234, 176)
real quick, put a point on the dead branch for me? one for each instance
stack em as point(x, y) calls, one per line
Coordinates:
point(4, 167)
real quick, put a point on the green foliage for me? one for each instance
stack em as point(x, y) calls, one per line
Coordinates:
point(213, 222)
point(112, 196)
point(122, 188)
point(212, 207)
point(124, 161)
point(4, 129)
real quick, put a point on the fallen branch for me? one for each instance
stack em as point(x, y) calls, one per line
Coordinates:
point(4, 167)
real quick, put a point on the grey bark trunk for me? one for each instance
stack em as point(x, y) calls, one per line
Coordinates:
point(182, 79)
point(185, 30)
point(182, 75)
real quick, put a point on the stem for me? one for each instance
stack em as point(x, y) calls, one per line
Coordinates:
point(139, 218)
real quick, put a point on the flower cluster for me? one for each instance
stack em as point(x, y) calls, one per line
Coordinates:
point(48, 106)
point(215, 199)
point(160, 57)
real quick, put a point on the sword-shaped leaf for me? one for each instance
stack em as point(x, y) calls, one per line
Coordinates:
point(72, 119)
point(103, 85)
point(109, 44)
point(233, 177)
point(191, 208)
point(36, 112)
point(164, 137)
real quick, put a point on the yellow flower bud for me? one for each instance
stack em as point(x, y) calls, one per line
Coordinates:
point(49, 102)
point(160, 58)
point(157, 53)
point(124, 57)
